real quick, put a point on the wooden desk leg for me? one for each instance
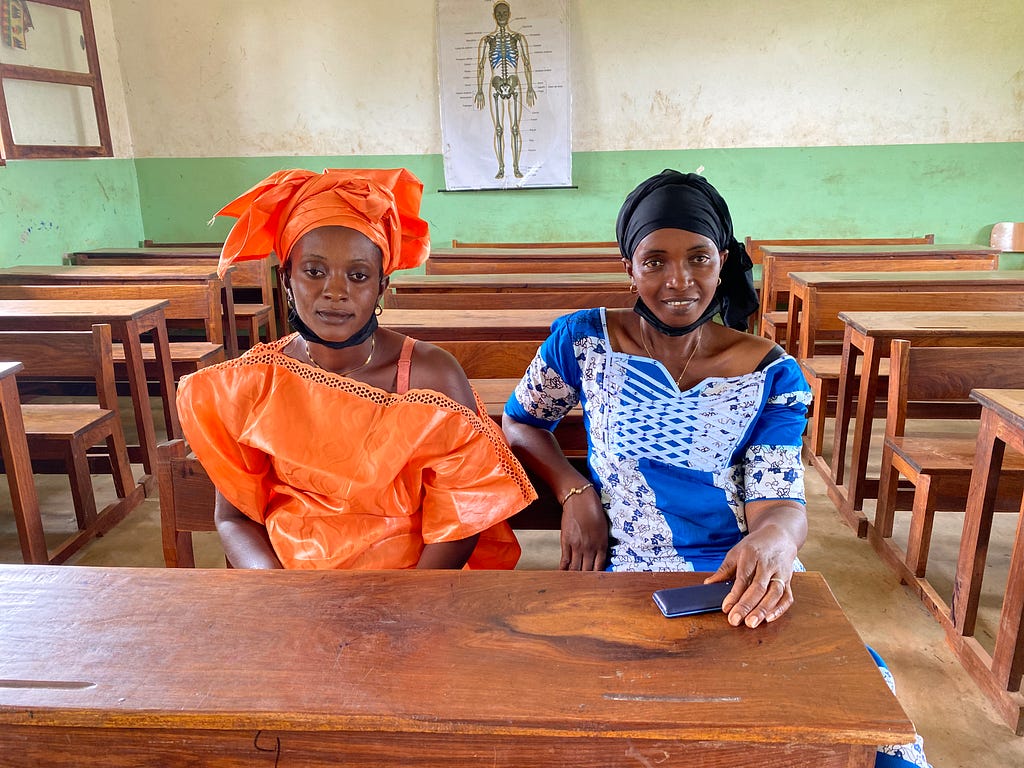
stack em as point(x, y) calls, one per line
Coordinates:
point(862, 426)
point(792, 342)
point(140, 392)
point(162, 351)
point(844, 406)
point(1008, 654)
point(231, 323)
point(14, 448)
point(970, 567)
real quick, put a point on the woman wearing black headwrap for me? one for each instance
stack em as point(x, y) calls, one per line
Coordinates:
point(693, 427)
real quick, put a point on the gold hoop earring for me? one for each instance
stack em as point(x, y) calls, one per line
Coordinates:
point(633, 288)
point(379, 310)
point(289, 299)
point(719, 282)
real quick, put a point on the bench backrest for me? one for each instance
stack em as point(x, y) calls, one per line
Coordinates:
point(757, 256)
point(571, 244)
point(188, 301)
point(567, 300)
point(492, 359)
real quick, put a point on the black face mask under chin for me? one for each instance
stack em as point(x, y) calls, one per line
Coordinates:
point(308, 334)
point(672, 330)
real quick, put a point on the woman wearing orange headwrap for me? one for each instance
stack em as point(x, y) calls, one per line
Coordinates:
point(347, 445)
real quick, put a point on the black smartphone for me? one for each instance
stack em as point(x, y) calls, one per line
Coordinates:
point(686, 601)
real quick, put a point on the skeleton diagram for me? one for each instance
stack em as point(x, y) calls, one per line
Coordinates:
point(503, 49)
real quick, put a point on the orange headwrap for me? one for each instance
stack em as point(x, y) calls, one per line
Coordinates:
point(382, 204)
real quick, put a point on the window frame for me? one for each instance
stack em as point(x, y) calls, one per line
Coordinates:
point(9, 150)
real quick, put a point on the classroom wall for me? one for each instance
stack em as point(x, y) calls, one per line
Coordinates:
point(50, 207)
point(814, 118)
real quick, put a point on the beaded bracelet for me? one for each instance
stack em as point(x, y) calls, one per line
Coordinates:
point(574, 491)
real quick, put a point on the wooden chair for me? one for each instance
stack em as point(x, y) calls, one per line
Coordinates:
point(187, 497)
point(67, 431)
point(567, 300)
point(18, 467)
point(189, 302)
point(1008, 236)
point(937, 466)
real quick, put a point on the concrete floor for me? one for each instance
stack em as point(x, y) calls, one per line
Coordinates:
point(959, 727)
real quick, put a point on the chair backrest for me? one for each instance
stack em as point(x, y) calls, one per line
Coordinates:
point(1008, 236)
point(54, 355)
point(187, 498)
point(566, 300)
point(188, 301)
point(946, 374)
point(492, 359)
point(756, 255)
point(18, 468)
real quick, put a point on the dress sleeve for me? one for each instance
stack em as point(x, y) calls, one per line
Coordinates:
point(213, 406)
point(772, 468)
point(550, 388)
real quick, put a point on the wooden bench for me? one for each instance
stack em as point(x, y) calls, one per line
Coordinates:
point(779, 262)
point(187, 301)
point(249, 280)
point(757, 256)
point(66, 431)
point(937, 466)
point(577, 244)
point(567, 300)
point(492, 359)
point(464, 261)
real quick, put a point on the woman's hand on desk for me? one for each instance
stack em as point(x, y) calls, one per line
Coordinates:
point(761, 564)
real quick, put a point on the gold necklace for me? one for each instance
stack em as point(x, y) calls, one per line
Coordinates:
point(643, 340)
point(366, 362)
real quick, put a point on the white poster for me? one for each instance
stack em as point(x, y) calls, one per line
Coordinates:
point(504, 77)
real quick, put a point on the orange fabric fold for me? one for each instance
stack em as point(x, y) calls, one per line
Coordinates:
point(348, 476)
point(383, 204)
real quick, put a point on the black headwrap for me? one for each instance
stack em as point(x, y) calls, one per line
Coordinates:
point(674, 200)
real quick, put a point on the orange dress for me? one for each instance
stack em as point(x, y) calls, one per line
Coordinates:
point(345, 475)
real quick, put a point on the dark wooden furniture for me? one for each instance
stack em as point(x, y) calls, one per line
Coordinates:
point(128, 320)
point(814, 331)
point(564, 300)
point(936, 465)
point(67, 430)
point(424, 668)
point(754, 246)
point(472, 324)
point(258, 277)
point(220, 326)
point(869, 335)
point(464, 261)
point(779, 261)
point(577, 244)
point(999, 673)
point(511, 282)
point(18, 468)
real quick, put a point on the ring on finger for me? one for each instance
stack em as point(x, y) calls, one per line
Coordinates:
point(781, 581)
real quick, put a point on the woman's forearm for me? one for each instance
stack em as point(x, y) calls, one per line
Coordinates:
point(447, 554)
point(539, 451)
point(246, 543)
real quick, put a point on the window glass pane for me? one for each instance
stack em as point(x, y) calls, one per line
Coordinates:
point(51, 114)
point(54, 41)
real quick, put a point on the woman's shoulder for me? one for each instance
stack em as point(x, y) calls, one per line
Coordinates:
point(740, 353)
point(437, 369)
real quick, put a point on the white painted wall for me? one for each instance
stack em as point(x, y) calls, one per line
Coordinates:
point(337, 77)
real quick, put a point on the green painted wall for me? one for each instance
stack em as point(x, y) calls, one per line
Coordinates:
point(50, 207)
point(956, 191)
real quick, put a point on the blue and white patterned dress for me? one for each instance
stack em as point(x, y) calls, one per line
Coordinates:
point(674, 469)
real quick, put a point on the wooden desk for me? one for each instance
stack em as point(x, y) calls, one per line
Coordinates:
point(511, 282)
point(998, 674)
point(948, 290)
point(259, 275)
point(472, 324)
point(128, 320)
point(423, 668)
point(107, 274)
point(870, 334)
point(779, 261)
point(461, 261)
